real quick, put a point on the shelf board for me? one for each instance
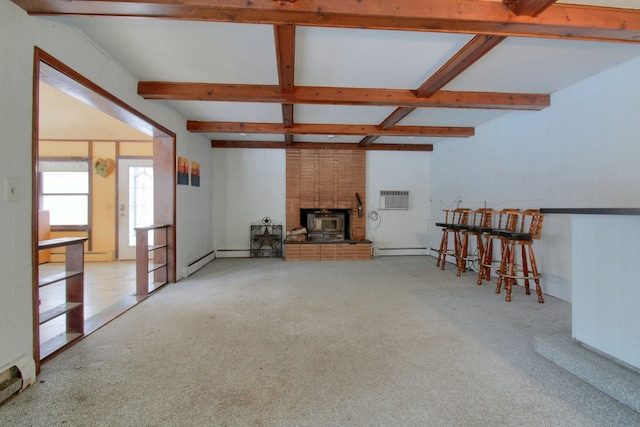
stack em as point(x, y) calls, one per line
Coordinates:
point(154, 267)
point(48, 280)
point(59, 242)
point(59, 310)
point(156, 285)
point(57, 344)
point(154, 247)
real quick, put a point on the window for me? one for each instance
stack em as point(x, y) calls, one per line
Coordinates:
point(65, 192)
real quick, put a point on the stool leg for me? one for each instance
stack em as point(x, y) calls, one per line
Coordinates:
point(442, 256)
point(480, 270)
point(441, 248)
point(525, 271)
point(508, 283)
point(479, 246)
point(483, 254)
point(534, 269)
point(463, 253)
point(487, 261)
point(490, 260)
point(504, 255)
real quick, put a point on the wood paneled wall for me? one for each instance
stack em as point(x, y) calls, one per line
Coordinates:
point(326, 179)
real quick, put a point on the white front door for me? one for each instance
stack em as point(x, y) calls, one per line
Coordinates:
point(135, 203)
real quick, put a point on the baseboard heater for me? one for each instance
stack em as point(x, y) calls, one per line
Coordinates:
point(16, 376)
point(197, 264)
point(401, 251)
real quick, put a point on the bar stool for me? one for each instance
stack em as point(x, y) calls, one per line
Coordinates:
point(531, 221)
point(480, 218)
point(505, 219)
point(453, 221)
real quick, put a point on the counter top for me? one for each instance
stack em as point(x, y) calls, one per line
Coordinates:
point(591, 211)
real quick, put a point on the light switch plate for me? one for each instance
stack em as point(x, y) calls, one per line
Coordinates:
point(11, 190)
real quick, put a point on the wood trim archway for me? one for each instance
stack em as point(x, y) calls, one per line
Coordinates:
point(57, 74)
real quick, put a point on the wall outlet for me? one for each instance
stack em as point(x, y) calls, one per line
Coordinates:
point(11, 190)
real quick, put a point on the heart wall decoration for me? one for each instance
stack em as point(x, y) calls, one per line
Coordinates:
point(104, 167)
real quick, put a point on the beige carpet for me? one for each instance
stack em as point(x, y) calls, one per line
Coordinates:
point(391, 342)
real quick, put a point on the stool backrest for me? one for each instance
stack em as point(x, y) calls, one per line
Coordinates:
point(458, 216)
point(463, 215)
point(508, 219)
point(483, 217)
point(533, 219)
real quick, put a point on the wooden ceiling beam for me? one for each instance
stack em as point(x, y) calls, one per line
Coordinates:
point(285, 38)
point(328, 129)
point(529, 7)
point(287, 115)
point(367, 140)
point(322, 146)
point(339, 96)
point(399, 114)
point(455, 16)
point(393, 119)
point(479, 46)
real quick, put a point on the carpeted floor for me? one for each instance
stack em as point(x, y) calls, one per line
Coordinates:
point(391, 342)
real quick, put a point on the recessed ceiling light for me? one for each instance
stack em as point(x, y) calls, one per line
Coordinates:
point(244, 134)
point(331, 136)
point(411, 137)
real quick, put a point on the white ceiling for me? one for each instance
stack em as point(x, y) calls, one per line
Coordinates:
point(213, 52)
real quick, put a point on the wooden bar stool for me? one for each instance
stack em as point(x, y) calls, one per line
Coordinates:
point(531, 221)
point(479, 218)
point(454, 219)
point(505, 219)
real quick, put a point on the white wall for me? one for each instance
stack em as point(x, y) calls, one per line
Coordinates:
point(583, 151)
point(248, 185)
point(399, 229)
point(19, 33)
point(251, 184)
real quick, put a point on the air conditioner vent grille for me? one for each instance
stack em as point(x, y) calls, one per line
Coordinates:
point(394, 200)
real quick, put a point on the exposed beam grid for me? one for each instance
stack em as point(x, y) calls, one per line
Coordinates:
point(287, 115)
point(185, 91)
point(456, 16)
point(285, 39)
point(399, 114)
point(393, 119)
point(321, 146)
point(367, 140)
point(328, 129)
point(479, 46)
point(529, 7)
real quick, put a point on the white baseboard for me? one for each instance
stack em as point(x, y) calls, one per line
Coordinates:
point(197, 264)
point(233, 253)
point(400, 251)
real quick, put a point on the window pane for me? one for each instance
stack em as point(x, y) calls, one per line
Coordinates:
point(65, 182)
point(140, 200)
point(67, 210)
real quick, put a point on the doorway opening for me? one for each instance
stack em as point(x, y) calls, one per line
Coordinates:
point(149, 162)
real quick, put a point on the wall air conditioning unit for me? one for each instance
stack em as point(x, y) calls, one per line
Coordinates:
point(394, 200)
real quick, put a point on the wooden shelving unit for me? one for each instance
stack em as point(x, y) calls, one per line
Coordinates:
point(72, 307)
point(151, 260)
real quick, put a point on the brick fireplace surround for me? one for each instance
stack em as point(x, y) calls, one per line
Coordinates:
point(326, 179)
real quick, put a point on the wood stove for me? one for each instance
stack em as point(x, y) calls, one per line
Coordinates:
point(326, 224)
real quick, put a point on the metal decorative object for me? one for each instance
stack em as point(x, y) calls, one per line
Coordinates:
point(266, 239)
